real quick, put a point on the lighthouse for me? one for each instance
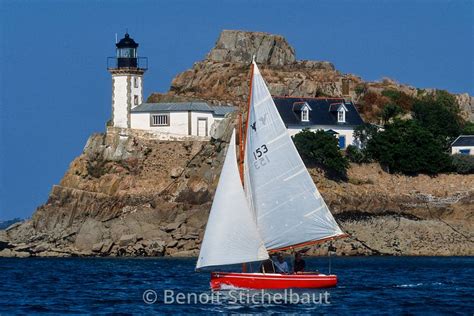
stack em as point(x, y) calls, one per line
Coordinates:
point(127, 71)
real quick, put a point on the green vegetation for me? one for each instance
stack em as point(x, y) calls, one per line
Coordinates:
point(468, 129)
point(390, 111)
point(463, 164)
point(355, 154)
point(322, 149)
point(359, 89)
point(439, 114)
point(406, 147)
point(400, 99)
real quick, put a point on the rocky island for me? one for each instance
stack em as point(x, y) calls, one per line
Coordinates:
point(136, 196)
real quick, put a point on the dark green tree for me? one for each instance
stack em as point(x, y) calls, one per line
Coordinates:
point(390, 111)
point(406, 147)
point(439, 114)
point(322, 149)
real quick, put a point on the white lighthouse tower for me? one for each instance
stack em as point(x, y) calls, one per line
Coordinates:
point(127, 71)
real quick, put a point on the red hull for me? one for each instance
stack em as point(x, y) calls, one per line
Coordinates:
point(271, 280)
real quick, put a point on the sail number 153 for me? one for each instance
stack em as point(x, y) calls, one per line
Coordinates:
point(261, 159)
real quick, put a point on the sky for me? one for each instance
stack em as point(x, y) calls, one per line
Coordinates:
point(55, 90)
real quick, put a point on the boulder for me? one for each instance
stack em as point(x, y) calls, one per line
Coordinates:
point(97, 247)
point(7, 253)
point(127, 240)
point(240, 46)
point(176, 172)
point(172, 226)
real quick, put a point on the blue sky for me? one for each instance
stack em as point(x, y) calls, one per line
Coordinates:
point(55, 90)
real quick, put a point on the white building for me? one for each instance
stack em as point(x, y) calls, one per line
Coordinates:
point(333, 115)
point(464, 145)
point(166, 120)
point(178, 119)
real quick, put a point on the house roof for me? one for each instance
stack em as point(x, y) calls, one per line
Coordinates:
point(463, 140)
point(320, 113)
point(219, 110)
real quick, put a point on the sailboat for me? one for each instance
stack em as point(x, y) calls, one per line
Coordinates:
point(269, 205)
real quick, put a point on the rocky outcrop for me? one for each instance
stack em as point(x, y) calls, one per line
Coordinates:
point(125, 196)
point(223, 76)
point(240, 47)
point(138, 197)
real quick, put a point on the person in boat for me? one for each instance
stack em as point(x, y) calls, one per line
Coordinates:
point(299, 264)
point(281, 266)
point(267, 266)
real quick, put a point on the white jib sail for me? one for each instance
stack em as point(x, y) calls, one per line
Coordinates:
point(231, 234)
point(287, 204)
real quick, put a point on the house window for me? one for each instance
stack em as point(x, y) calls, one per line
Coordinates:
point(159, 120)
point(305, 115)
point(135, 82)
point(135, 99)
point(464, 151)
point(341, 116)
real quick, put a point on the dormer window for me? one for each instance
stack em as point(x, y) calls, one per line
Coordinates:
point(302, 109)
point(305, 115)
point(339, 111)
point(341, 116)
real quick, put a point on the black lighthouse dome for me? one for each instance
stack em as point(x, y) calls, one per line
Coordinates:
point(127, 42)
point(127, 52)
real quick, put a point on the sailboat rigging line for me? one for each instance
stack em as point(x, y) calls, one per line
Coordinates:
point(309, 243)
point(329, 256)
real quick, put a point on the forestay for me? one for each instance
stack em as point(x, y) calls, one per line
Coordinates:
point(288, 207)
point(231, 233)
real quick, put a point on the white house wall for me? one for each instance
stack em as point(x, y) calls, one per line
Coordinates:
point(457, 149)
point(347, 131)
point(178, 123)
point(119, 101)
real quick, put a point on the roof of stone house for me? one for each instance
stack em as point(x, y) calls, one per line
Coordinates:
point(463, 140)
point(323, 111)
point(218, 110)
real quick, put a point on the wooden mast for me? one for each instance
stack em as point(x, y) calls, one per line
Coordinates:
point(242, 142)
point(242, 137)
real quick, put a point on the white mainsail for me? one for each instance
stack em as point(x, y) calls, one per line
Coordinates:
point(231, 233)
point(288, 207)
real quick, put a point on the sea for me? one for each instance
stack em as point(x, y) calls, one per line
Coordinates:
point(367, 286)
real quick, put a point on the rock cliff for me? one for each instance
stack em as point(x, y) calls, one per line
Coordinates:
point(222, 77)
point(128, 195)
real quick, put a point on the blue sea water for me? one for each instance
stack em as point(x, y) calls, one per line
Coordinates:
point(367, 285)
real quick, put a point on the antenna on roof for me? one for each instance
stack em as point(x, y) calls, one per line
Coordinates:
point(116, 38)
